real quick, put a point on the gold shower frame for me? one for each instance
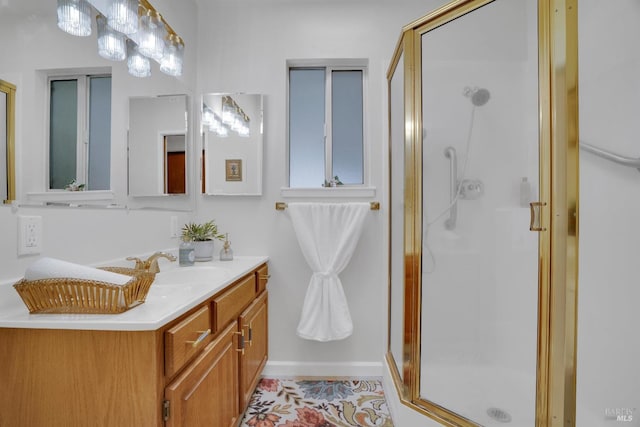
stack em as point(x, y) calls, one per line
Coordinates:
point(558, 183)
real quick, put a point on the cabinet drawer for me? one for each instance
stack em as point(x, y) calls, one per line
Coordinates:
point(263, 277)
point(229, 305)
point(186, 339)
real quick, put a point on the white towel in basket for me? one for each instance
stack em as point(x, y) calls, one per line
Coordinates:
point(51, 268)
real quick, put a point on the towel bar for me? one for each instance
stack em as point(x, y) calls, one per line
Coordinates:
point(280, 206)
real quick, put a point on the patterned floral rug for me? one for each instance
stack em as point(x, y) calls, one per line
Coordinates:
point(327, 403)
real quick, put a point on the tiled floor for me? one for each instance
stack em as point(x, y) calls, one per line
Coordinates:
point(291, 402)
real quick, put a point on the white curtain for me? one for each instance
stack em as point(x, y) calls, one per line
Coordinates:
point(328, 234)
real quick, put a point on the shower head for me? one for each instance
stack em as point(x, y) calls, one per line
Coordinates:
point(478, 96)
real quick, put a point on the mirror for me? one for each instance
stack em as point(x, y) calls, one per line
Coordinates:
point(7, 141)
point(158, 145)
point(232, 144)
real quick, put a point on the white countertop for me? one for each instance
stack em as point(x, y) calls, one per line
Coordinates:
point(168, 298)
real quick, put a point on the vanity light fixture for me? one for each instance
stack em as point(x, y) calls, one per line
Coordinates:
point(215, 125)
point(207, 115)
point(233, 118)
point(245, 129)
point(112, 44)
point(126, 28)
point(221, 130)
point(137, 63)
point(151, 35)
point(228, 110)
point(74, 17)
point(171, 62)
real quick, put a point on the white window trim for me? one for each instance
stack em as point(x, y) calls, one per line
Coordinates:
point(348, 190)
point(60, 195)
point(63, 196)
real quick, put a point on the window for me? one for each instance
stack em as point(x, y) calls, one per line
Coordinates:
point(80, 131)
point(326, 124)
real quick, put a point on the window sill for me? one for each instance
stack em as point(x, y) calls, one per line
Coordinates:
point(329, 193)
point(71, 196)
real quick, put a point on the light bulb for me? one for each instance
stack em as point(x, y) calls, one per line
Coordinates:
point(171, 62)
point(74, 17)
point(151, 36)
point(111, 44)
point(138, 64)
point(122, 16)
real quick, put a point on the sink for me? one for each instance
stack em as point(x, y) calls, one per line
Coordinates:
point(190, 275)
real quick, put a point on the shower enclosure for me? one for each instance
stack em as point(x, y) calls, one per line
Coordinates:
point(482, 328)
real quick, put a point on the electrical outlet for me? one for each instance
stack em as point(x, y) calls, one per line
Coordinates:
point(174, 227)
point(29, 235)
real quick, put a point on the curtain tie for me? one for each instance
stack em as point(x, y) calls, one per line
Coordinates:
point(324, 274)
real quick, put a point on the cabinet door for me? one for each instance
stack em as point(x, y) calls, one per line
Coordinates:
point(206, 393)
point(254, 322)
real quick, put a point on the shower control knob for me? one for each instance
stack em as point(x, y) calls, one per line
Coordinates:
point(471, 189)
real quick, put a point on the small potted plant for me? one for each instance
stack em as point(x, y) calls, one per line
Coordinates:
point(203, 237)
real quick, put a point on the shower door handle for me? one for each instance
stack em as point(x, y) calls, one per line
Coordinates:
point(450, 153)
point(536, 216)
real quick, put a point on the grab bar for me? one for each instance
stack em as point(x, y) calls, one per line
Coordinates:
point(450, 153)
point(608, 155)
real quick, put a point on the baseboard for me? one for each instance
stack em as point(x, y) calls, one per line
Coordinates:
point(322, 369)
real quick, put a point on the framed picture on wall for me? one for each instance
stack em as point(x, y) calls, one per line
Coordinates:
point(233, 168)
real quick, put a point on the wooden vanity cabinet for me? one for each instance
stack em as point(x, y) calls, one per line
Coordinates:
point(215, 389)
point(192, 372)
point(253, 322)
point(206, 392)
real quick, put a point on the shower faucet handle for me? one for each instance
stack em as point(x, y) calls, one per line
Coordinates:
point(470, 189)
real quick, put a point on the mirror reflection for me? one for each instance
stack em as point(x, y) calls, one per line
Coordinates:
point(7, 137)
point(157, 145)
point(232, 144)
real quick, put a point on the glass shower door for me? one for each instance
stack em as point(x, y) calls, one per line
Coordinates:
point(480, 171)
point(396, 221)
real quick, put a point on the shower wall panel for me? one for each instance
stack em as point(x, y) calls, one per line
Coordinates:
point(608, 375)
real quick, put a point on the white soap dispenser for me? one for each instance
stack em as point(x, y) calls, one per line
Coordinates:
point(226, 253)
point(525, 192)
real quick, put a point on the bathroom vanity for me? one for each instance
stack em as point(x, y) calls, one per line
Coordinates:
point(191, 355)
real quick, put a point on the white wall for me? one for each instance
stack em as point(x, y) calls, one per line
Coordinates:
point(608, 317)
point(243, 48)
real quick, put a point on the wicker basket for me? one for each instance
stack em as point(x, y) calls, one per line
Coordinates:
point(66, 295)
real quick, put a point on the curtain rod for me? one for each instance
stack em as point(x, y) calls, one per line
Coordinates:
point(280, 206)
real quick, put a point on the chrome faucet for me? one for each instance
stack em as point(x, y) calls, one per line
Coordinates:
point(151, 263)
